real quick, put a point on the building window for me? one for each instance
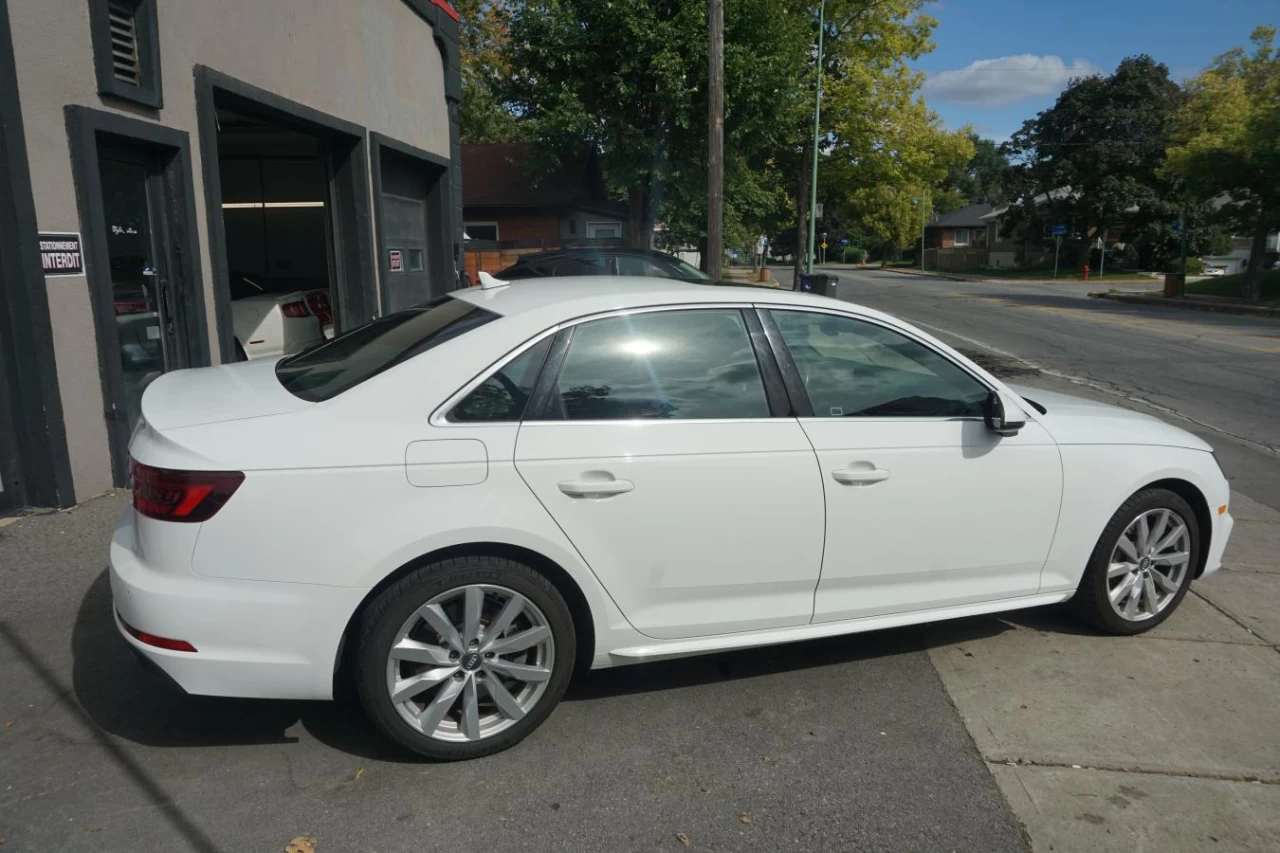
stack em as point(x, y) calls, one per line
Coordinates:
point(126, 50)
point(481, 230)
point(604, 230)
point(962, 236)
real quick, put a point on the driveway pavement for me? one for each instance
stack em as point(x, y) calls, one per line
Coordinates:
point(843, 744)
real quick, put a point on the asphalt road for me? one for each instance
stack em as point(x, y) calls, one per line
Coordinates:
point(845, 744)
point(1217, 375)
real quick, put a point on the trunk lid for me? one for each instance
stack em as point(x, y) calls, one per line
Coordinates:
point(207, 395)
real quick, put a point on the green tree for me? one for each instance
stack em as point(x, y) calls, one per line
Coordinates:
point(484, 48)
point(630, 79)
point(1094, 157)
point(982, 178)
point(867, 87)
point(1228, 142)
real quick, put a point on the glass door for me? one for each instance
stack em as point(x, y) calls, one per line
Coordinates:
point(131, 199)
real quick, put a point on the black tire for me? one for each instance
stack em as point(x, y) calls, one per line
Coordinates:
point(1092, 601)
point(382, 619)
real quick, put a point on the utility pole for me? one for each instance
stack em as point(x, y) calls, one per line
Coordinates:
point(924, 214)
point(715, 139)
point(817, 118)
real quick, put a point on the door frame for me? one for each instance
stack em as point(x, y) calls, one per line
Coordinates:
point(169, 150)
point(439, 203)
point(353, 290)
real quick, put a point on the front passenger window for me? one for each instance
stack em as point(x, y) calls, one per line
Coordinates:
point(662, 365)
point(852, 368)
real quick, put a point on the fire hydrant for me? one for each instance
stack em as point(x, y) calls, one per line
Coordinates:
point(1086, 272)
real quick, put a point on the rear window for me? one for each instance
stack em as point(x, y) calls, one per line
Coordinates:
point(351, 358)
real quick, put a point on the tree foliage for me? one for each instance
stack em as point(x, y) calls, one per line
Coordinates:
point(484, 46)
point(1227, 142)
point(1094, 157)
point(630, 79)
point(981, 179)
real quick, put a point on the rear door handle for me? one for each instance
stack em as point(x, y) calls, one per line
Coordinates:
point(595, 487)
point(859, 476)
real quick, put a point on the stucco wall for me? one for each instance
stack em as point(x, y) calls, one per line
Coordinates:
point(371, 62)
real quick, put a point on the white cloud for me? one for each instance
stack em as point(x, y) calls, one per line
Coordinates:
point(996, 82)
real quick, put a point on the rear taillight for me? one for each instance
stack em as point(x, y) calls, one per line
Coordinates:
point(318, 302)
point(154, 640)
point(169, 495)
point(295, 309)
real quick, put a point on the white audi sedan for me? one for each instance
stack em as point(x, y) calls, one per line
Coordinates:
point(457, 505)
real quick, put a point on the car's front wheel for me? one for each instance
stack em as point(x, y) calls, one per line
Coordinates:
point(1143, 564)
point(464, 657)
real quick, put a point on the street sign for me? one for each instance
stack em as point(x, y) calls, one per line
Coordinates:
point(1059, 229)
point(844, 241)
point(819, 210)
point(824, 245)
point(1176, 225)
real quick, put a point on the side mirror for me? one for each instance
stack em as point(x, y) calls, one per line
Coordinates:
point(996, 419)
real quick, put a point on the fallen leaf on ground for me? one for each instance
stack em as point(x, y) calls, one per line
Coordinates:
point(683, 839)
point(8, 724)
point(301, 844)
point(359, 774)
point(744, 817)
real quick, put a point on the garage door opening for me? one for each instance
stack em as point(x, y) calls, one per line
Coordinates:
point(276, 215)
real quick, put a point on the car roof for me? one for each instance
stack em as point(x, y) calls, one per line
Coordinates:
point(548, 301)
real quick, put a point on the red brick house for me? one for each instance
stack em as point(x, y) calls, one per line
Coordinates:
point(507, 213)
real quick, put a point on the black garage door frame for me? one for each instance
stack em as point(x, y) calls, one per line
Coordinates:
point(34, 461)
point(354, 284)
point(439, 208)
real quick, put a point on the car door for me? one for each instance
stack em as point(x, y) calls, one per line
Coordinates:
point(926, 507)
point(658, 452)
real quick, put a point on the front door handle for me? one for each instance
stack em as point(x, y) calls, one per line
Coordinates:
point(598, 486)
point(859, 476)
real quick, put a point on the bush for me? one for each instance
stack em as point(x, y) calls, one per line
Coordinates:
point(1195, 266)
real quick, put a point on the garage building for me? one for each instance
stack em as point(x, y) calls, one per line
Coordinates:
point(186, 183)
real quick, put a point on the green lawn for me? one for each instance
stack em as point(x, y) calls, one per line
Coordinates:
point(1229, 285)
point(1064, 274)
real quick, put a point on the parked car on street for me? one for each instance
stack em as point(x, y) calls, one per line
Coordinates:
point(603, 261)
point(459, 504)
point(1213, 271)
point(272, 318)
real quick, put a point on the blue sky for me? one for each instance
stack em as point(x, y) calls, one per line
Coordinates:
point(998, 62)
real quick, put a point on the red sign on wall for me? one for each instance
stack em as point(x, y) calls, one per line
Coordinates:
point(395, 260)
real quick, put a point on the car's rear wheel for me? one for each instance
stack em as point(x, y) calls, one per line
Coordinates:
point(464, 657)
point(1143, 564)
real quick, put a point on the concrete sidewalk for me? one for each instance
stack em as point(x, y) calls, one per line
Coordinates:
point(1190, 302)
point(1167, 741)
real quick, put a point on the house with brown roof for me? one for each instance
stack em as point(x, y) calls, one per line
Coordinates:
point(509, 210)
point(958, 240)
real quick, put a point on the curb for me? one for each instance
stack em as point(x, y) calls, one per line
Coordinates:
point(977, 279)
point(1187, 304)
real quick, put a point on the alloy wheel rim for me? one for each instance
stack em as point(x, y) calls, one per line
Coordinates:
point(470, 663)
point(1148, 565)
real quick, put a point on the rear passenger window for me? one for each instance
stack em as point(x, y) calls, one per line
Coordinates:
point(504, 395)
point(667, 364)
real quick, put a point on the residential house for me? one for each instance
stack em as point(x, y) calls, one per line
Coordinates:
point(959, 240)
point(1237, 260)
point(508, 212)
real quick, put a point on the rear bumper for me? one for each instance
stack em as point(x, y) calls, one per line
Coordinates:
point(253, 639)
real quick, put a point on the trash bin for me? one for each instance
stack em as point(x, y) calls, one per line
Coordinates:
point(823, 284)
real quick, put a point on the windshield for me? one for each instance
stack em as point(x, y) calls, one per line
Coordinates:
point(346, 361)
